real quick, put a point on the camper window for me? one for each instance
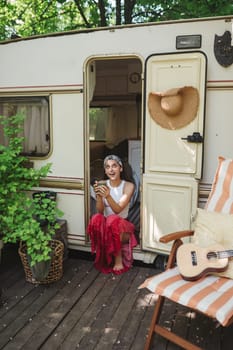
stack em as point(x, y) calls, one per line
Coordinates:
point(36, 123)
point(99, 122)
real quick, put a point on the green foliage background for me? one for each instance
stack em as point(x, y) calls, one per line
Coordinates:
point(33, 17)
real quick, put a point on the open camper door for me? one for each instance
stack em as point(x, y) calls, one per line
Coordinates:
point(174, 123)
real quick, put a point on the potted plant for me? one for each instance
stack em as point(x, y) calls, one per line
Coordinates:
point(21, 213)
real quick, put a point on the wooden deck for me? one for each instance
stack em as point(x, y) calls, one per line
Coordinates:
point(88, 310)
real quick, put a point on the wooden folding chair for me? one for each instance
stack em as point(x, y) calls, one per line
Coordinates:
point(155, 327)
point(218, 291)
point(211, 295)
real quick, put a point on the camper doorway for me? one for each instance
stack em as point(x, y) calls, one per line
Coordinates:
point(114, 91)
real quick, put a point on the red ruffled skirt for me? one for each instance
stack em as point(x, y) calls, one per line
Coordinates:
point(105, 241)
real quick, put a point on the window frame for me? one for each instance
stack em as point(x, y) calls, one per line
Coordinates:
point(30, 99)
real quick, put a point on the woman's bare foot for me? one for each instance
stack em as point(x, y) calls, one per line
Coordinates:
point(118, 263)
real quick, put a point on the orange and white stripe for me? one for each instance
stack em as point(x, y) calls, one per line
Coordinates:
point(211, 295)
point(221, 195)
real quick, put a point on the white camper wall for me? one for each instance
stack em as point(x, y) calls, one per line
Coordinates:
point(59, 60)
point(66, 157)
point(218, 129)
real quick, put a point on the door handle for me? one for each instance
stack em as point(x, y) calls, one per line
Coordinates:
point(195, 138)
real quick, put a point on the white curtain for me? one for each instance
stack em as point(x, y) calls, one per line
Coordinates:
point(36, 125)
point(91, 80)
point(36, 128)
point(119, 125)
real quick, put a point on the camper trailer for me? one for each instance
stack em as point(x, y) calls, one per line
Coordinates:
point(159, 95)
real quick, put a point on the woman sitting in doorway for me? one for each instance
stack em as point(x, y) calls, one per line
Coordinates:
point(112, 235)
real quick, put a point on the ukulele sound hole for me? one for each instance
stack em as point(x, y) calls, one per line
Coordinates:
point(212, 255)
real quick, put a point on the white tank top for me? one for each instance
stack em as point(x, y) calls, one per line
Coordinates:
point(116, 193)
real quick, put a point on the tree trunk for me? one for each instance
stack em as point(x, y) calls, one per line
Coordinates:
point(103, 21)
point(118, 12)
point(128, 11)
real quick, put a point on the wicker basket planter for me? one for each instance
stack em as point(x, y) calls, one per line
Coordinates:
point(56, 267)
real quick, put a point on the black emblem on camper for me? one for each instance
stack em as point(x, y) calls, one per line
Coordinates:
point(223, 50)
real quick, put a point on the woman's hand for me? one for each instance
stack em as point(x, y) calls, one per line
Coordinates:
point(102, 190)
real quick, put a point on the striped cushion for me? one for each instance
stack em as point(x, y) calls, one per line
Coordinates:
point(211, 295)
point(221, 195)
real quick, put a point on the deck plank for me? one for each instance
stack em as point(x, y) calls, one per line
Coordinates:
point(119, 320)
point(87, 330)
point(103, 314)
point(55, 310)
point(88, 310)
point(200, 327)
point(149, 299)
point(83, 305)
point(135, 314)
point(22, 327)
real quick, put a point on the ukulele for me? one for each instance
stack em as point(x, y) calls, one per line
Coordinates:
point(195, 262)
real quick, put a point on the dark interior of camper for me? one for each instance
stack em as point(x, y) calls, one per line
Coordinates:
point(115, 94)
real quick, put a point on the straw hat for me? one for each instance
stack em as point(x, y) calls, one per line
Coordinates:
point(174, 108)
